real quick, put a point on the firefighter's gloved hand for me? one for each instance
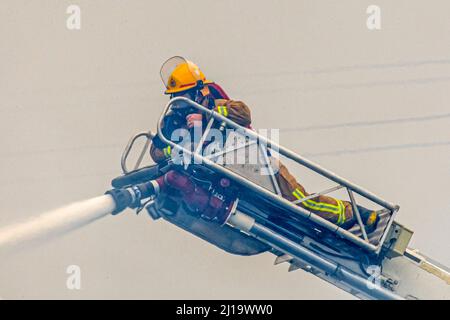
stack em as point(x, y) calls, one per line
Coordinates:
point(194, 119)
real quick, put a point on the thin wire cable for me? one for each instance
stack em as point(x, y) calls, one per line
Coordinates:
point(344, 152)
point(366, 123)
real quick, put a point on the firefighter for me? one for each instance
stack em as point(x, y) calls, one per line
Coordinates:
point(183, 78)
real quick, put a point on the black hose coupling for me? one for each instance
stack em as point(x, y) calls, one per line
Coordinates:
point(131, 197)
point(122, 198)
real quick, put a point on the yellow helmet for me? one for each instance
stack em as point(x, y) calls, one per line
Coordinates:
point(179, 74)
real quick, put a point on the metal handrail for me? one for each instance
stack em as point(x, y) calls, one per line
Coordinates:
point(291, 155)
point(123, 161)
point(287, 153)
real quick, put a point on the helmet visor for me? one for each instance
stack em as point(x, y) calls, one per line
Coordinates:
point(168, 67)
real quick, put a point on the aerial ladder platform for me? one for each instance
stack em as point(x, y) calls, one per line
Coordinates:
point(378, 265)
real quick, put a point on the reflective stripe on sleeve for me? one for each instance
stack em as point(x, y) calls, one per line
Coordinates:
point(167, 151)
point(222, 110)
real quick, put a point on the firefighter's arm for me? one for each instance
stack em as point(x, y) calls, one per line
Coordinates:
point(159, 153)
point(236, 111)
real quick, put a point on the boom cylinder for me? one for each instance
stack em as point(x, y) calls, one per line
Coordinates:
point(249, 225)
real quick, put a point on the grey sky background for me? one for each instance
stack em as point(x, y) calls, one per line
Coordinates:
point(372, 106)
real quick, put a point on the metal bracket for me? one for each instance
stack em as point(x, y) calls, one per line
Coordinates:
point(123, 162)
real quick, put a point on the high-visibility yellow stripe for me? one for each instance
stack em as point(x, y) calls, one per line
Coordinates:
point(222, 110)
point(339, 214)
point(320, 206)
point(167, 151)
point(342, 217)
point(338, 209)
